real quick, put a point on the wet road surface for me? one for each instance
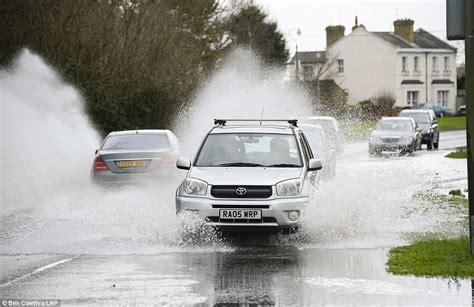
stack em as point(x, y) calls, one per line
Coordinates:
point(344, 266)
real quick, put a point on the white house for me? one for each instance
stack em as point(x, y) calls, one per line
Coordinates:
point(415, 66)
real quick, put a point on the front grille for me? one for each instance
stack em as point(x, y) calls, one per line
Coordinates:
point(230, 191)
point(216, 219)
point(390, 140)
point(241, 207)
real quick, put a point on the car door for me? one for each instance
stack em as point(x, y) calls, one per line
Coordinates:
point(435, 127)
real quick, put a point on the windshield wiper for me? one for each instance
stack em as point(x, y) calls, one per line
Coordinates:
point(241, 164)
point(283, 165)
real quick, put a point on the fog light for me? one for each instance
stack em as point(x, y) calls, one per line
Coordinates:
point(294, 215)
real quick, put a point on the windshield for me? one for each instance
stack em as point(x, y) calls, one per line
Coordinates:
point(420, 118)
point(247, 150)
point(136, 141)
point(394, 125)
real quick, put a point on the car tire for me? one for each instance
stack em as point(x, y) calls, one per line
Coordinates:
point(441, 114)
point(430, 144)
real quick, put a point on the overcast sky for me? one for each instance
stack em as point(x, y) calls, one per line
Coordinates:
point(312, 17)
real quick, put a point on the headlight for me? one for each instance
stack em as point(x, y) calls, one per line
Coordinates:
point(194, 186)
point(289, 187)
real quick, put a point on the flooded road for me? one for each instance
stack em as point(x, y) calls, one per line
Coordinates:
point(123, 247)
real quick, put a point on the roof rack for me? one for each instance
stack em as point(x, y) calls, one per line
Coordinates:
point(223, 122)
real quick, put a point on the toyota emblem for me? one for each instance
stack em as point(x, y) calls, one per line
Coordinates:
point(241, 191)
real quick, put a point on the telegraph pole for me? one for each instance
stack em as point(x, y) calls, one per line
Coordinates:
point(460, 26)
point(298, 32)
point(469, 42)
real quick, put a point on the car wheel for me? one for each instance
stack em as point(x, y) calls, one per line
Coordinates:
point(436, 145)
point(430, 144)
point(441, 114)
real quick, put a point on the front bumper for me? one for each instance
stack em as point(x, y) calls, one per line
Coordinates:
point(274, 211)
point(426, 138)
point(389, 147)
point(108, 178)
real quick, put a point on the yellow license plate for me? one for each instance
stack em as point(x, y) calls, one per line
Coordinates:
point(125, 164)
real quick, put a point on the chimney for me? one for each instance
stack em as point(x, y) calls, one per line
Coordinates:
point(404, 29)
point(333, 34)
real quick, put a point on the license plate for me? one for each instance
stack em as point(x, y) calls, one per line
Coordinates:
point(251, 214)
point(131, 163)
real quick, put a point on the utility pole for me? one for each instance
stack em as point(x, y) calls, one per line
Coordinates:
point(460, 25)
point(298, 32)
point(469, 41)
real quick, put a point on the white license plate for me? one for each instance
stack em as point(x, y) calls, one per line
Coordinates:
point(251, 214)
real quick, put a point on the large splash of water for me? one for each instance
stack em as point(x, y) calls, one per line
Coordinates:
point(47, 141)
point(48, 145)
point(241, 88)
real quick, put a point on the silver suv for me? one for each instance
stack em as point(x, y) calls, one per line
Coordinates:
point(249, 176)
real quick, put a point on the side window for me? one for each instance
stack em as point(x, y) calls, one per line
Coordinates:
point(308, 154)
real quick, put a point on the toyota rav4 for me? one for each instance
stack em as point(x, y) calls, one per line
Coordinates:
point(249, 176)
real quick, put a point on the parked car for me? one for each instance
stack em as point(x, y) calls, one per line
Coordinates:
point(331, 130)
point(322, 149)
point(253, 176)
point(428, 123)
point(395, 134)
point(462, 110)
point(135, 156)
point(438, 109)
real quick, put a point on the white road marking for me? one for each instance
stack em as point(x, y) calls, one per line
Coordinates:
point(41, 269)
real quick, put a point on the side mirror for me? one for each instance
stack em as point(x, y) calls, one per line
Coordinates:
point(183, 163)
point(314, 165)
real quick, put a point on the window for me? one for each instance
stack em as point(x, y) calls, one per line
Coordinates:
point(416, 64)
point(446, 65)
point(249, 149)
point(435, 65)
point(412, 98)
point(308, 72)
point(340, 66)
point(443, 97)
point(136, 141)
point(404, 65)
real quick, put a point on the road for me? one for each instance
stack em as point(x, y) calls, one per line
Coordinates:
point(124, 248)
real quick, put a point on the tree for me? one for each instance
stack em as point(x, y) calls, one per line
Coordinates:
point(250, 27)
point(134, 61)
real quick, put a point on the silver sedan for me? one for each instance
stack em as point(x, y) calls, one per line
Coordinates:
point(135, 156)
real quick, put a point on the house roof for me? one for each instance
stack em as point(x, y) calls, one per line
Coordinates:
point(422, 39)
point(307, 57)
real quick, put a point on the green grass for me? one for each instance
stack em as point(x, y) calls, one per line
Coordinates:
point(433, 257)
point(452, 123)
point(457, 155)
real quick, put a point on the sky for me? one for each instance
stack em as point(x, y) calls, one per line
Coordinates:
point(313, 16)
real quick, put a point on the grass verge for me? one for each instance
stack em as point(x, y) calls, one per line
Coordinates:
point(433, 257)
point(457, 155)
point(452, 123)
